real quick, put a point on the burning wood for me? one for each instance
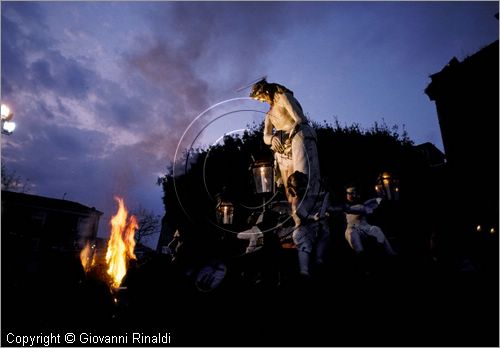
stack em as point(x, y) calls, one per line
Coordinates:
point(121, 244)
point(120, 249)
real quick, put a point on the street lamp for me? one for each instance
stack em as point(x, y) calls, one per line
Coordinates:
point(387, 187)
point(7, 115)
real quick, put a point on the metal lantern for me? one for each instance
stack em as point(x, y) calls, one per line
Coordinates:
point(387, 187)
point(263, 175)
point(225, 213)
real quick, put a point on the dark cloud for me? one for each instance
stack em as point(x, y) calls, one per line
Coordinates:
point(198, 54)
point(75, 143)
point(128, 113)
point(41, 73)
point(13, 56)
point(29, 12)
point(63, 76)
point(58, 158)
point(118, 109)
point(21, 39)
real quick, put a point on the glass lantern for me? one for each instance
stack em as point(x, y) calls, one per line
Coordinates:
point(225, 213)
point(387, 187)
point(263, 175)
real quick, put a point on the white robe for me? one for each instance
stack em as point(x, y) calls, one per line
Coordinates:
point(358, 230)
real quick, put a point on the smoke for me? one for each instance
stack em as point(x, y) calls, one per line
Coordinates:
point(197, 55)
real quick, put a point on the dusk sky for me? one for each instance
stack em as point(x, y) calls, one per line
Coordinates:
point(102, 92)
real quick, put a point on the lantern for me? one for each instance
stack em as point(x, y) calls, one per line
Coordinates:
point(263, 176)
point(387, 187)
point(225, 213)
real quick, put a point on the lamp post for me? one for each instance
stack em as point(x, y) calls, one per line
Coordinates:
point(7, 115)
point(387, 186)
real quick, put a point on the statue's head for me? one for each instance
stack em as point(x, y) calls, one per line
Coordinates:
point(261, 91)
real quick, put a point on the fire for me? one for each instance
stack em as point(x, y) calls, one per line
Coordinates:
point(87, 256)
point(121, 244)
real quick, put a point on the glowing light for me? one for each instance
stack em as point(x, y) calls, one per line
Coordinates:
point(87, 257)
point(225, 213)
point(9, 126)
point(121, 244)
point(5, 111)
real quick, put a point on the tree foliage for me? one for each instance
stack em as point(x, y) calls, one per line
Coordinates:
point(13, 182)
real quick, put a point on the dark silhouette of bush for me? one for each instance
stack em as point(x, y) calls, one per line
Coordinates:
point(347, 154)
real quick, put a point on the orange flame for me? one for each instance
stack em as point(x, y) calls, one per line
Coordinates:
point(121, 244)
point(87, 257)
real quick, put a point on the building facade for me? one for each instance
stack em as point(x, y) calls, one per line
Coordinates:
point(466, 94)
point(47, 222)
